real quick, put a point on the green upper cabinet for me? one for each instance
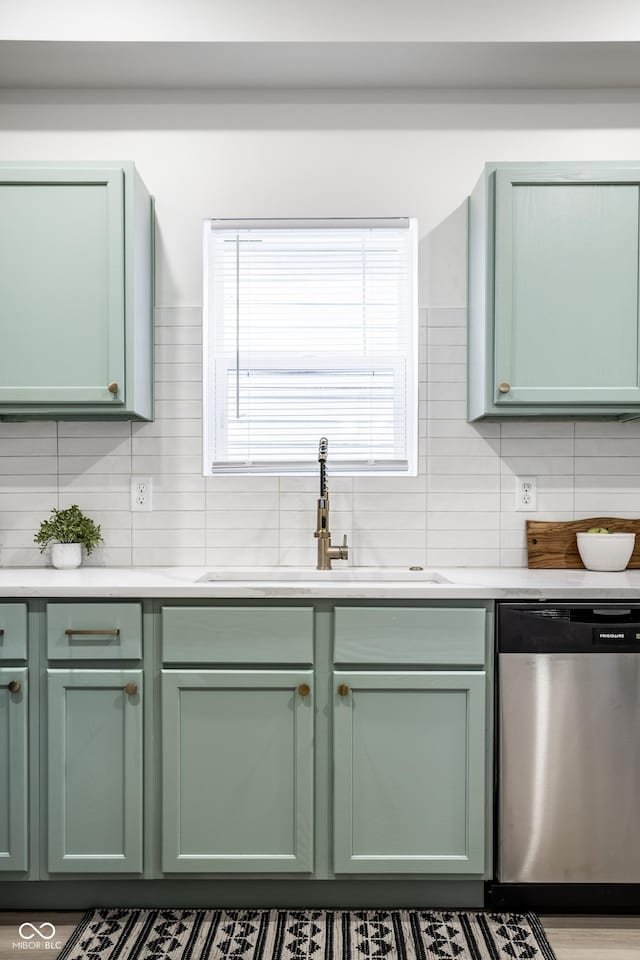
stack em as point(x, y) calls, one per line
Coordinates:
point(553, 291)
point(76, 266)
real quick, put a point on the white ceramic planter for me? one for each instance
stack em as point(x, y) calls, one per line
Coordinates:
point(66, 556)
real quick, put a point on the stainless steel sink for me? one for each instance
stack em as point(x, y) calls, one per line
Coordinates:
point(311, 575)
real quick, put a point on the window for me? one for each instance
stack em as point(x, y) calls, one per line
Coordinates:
point(310, 330)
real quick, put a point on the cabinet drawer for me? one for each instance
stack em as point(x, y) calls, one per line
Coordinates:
point(234, 634)
point(435, 635)
point(94, 631)
point(13, 631)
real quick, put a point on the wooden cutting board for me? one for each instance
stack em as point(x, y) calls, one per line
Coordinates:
point(554, 544)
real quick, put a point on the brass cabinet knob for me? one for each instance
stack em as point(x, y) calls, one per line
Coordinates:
point(504, 387)
point(14, 686)
point(304, 689)
point(131, 689)
point(343, 689)
point(113, 387)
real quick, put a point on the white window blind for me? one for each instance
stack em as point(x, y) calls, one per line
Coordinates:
point(310, 330)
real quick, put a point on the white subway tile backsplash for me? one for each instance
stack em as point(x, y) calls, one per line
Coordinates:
point(471, 501)
point(105, 465)
point(607, 466)
point(94, 447)
point(443, 390)
point(168, 428)
point(232, 501)
point(537, 466)
point(383, 556)
point(464, 557)
point(94, 500)
point(149, 465)
point(513, 558)
point(178, 372)
point(178, 316)
point(607, 446)
point(464, 483)
point(608, 428)
point(461, 465)
point(250, 556)
point(462, 520)
point(27, 465)
point(462, 429)
point(446, 372)
point(536, 447)
point(168, 520)
point(447, 317)
point(187, 390)
point(169, 557)
point(166, 446)
point(447, 336)
point(464, 539)
point(89, 428)
point(446, 410)
point(37, 446)
point(385, 519)
point(447, 354)
point(175, 353)
point(458, 511)
point(177, 409)
point(527, 429)
point(176, 335)
point(171, 538)
point(27, 428)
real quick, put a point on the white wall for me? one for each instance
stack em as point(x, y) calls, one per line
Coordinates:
point(202, 158)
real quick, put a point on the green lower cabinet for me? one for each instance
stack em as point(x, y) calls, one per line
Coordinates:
point(409, 772)
point(94, 802)
point(237, 771)
point(14, 780)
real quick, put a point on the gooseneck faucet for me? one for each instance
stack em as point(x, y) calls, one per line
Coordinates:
point(326, 552)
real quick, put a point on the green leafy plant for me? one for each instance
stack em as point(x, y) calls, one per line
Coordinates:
point(68, 526)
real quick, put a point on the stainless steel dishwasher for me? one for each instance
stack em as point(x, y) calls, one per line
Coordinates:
point(568, 788)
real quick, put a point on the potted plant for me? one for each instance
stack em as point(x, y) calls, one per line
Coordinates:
point(68, 531)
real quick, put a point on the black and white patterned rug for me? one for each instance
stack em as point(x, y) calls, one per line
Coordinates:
point(119, 934)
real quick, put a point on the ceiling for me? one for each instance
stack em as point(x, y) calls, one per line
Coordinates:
point(333, 65)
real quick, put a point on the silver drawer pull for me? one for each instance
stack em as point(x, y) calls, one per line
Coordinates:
point(93, 633)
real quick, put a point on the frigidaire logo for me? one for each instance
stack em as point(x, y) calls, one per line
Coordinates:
point(37, 937)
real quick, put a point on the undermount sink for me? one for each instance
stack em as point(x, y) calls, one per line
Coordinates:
point(310, 574)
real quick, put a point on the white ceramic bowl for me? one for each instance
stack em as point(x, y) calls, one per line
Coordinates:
point(605, 551)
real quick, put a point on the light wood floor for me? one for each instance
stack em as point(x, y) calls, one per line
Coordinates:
point(572, 938)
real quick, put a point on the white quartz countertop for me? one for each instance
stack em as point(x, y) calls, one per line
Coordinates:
point(459, 583)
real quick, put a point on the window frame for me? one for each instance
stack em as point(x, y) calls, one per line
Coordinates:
point(216, 369)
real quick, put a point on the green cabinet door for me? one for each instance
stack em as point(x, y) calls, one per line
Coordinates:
point(553, 291)
point(14, 781)
point(237, 771)
point(75, 288)
point(94, 769)
point(409, 772)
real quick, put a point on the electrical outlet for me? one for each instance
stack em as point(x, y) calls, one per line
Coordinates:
point(141, 491)
point(526, 493)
